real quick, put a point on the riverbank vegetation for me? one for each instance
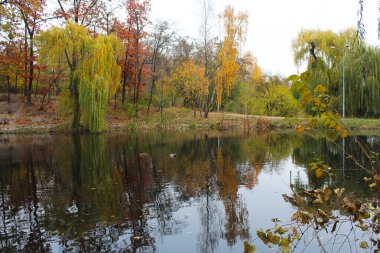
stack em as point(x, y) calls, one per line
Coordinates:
point(94, 63)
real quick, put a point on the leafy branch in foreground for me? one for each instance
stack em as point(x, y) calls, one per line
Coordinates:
point(320, 104)
point(327, 210)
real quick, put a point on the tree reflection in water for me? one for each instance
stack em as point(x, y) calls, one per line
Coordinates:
point(129, 191)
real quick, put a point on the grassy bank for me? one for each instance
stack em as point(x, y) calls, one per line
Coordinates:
point(362, 124)
point(174, 118)
point(22, 119)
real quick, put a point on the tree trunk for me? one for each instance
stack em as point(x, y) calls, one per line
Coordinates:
point(208, 103)
point(76, 112)
point(151, 94)
point(9, 89)
point(31, 70)
point(16, 84)
point(137, 81)
point(37, 82)
point(126, 66)
point(25, 63)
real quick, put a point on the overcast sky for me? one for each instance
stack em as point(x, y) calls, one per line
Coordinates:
point(273, 23)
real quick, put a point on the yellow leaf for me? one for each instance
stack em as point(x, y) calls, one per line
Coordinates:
point(319, 172)
point(364, 245)
point(344, 134)
point(307, 98)
point(317, 102)
point(372, 185)
point(338, 128)
point(320, 89)
point(300, 129)
point(249, 248)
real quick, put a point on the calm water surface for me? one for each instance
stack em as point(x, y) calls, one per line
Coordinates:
point(124, 193)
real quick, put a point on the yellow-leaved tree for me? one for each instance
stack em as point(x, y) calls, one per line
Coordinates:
point(91, 66)
point(195, 84)
point(235, 26)
point(99, 76)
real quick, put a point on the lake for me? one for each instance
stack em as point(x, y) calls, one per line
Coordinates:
point(161, 191)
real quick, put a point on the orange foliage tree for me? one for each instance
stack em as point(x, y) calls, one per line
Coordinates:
point(235, 26)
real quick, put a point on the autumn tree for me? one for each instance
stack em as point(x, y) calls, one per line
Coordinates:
point(107, 18)
point(195, 84)
point(182, 50)
point(158, 44)
point(123, 32)
point(11, 54)
point(235, 26)
point(96, 73)
point(32, 15)
point(99, 76)
point(137, 21)
point(82, 12)
point(207, 14)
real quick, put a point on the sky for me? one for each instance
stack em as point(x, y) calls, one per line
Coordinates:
point(273, 24)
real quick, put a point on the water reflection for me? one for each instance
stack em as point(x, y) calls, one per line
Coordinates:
point(131, 196)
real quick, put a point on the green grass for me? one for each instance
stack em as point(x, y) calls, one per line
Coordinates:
point(363, 124)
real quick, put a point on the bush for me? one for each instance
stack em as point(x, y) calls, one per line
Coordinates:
point(232, 106)
point(130, 109)
point(278, 102)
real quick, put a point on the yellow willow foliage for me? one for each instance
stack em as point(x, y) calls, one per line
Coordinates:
point(328, 45)
point(195, 84)
point(235, 26)
point(57, 45)
point(91, 62)
point(99, 76)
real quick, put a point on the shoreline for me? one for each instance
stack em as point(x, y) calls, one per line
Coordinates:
point(18, 118)
point(218, 121)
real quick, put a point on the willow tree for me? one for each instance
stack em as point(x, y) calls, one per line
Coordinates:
point(235, 26)
point(91, 68)
point(66, 48)
point(322, 51)
point(362, 81)
point(99, 76)
point(328, 55)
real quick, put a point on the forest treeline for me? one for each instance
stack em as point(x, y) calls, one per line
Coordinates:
point(94, 59)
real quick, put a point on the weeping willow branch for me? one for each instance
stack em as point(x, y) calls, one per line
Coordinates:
point(99, 76)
